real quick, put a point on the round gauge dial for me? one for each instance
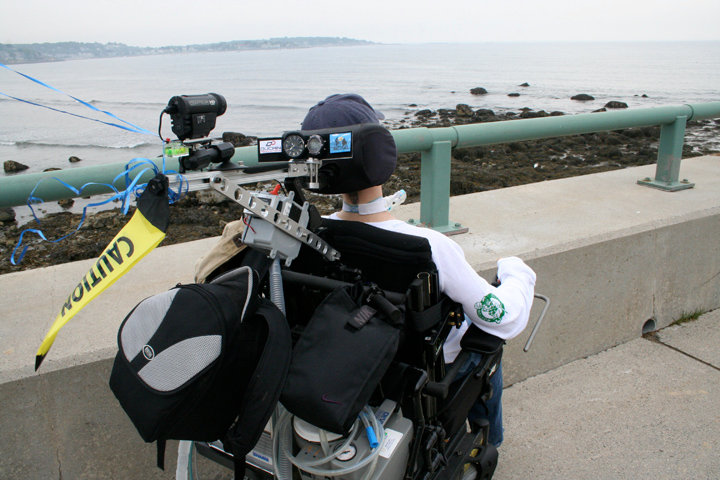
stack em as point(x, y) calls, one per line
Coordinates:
point(293, 145)
point(315, 144)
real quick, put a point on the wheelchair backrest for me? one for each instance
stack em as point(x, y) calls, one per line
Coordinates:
point(389, 259)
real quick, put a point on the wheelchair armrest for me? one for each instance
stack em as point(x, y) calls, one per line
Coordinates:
point(442, 388)
point(479, 341)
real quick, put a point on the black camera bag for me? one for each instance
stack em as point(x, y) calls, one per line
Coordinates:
point(340, 358)
point(203, 362)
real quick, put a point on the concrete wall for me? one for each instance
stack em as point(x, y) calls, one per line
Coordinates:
point(609, 253)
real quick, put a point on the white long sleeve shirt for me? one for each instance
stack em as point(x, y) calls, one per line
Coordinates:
point(502, 311)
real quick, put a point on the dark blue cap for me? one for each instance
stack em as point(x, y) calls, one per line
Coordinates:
point(341, 110)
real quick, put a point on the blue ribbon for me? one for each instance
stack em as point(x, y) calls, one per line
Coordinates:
point(132, 127)
point(131, 188)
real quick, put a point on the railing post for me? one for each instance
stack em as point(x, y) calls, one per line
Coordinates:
point(667, 172)
point(435, 189)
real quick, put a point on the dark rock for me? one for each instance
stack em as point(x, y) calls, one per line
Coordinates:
point(478, 91)
point(7, 215)
point(52, 169)
point(600, 110)
point(484, 112)
point(413, 105)
point(445, 112)
point(644, 95)
point(524, 85)
point(531, 114)
point(463, 110)
point(615, 104)
point(66, 203)
point(11, 166)
point(514, 94)
point(74, 159)
point(583, 97)
point(238, 139)
point(556, 113)
point(424, 113)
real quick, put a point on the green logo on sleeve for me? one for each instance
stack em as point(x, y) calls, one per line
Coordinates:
point(490, 309)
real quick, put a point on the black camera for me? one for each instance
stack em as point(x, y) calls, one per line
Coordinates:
point(193, 118)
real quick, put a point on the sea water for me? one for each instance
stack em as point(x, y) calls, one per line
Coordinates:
point(269, 91)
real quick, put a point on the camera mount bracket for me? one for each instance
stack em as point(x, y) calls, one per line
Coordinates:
point(279, 219)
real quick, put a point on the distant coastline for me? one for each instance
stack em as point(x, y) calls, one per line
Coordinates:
point(62, 51)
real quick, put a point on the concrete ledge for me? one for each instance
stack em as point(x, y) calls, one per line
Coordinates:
point(609, 253)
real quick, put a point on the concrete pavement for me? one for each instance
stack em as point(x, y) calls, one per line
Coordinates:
point(647, 409)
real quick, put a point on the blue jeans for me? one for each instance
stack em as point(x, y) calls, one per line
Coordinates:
point(492, 409)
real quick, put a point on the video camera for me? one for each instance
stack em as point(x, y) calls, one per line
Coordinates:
point(193, 118)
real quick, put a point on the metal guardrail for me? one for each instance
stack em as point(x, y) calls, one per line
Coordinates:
point(435, 145)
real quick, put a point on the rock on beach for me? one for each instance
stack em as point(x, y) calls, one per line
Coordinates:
point(615, 104)
point(583, 97)
point(11, 166)
point(7, 215)
point(462, 110)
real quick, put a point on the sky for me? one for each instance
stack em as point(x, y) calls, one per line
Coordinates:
point(183, 22)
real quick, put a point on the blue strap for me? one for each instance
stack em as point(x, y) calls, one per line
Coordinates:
point(133, 127)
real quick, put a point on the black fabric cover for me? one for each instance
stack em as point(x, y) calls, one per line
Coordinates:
point(390, 259)
point(153, 202)
point(336, 365)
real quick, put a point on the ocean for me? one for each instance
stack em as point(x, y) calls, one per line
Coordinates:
point(269, 91)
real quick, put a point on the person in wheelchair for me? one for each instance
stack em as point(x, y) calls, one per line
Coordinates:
point(501, 310)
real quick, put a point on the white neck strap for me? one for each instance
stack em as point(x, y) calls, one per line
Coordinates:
point(376, 206)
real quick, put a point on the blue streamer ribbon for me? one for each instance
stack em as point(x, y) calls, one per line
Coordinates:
point(138, 165)
point(131, 127)
point(132, 187)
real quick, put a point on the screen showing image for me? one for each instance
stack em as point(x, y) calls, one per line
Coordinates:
point(340, 142)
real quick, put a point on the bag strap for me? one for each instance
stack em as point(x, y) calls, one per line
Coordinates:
point(160, 444)
point(266, 383)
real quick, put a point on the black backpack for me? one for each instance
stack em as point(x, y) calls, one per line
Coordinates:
point(203, 362)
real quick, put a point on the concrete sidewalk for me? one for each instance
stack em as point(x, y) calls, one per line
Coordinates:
point(647, 409)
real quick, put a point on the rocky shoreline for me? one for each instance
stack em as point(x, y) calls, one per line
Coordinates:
point(200, 214)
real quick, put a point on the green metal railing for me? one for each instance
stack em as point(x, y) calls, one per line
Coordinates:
point(435, 145)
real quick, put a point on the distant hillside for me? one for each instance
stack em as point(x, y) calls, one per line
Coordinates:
point(56, 52)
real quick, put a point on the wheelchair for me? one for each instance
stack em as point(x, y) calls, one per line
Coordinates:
point(419, 408)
